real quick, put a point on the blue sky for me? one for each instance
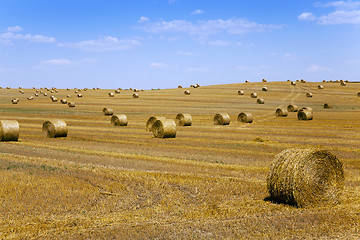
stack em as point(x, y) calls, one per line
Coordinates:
point(163, 43)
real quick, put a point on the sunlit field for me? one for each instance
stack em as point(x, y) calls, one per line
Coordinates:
point(104, 181)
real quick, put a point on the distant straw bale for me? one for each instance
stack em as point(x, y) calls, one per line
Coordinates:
point(136, 90)
point(63, 101)
point(241, 92)
point(293, 83)
point(305, 115)
point(111, 94)
point(246, 81)
point(54, 99)
point(108, 111)
point(55, 128)
point(14, 101)
point(245, 117)
point(179, 86)
point(71, 104)
point(264, 80)
point(68, 96)
point(343, 83)
point(187, 92)
point(183, 119)
point(264, 89)
point(221, 119)
point(280, 112)
point(328, 106)
point(253, 95)
point(306, 177)
point(260, 101)
point(164, 128)
point(292, 108)
point(303, 81)
point(79, 95)
point(9, 130)
point(30, 98)
point(21, 91)
point(358, 94)
point(119, 120)
point(135, 95)
point(320, 87)
point(309, 94)
point(117, 91)
point(36, 94)
point(150, 122)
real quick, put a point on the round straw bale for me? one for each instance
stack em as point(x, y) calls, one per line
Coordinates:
point(280, 112)
point(135, 95)
point(306, 177)
point(36, 94)
point(136, 90)
point(117, 91)
point(108, 111)
point(52, 91)
point(21, 91)
point(79, 95)
point(241, 92)
point(293, 83)
point(264, 89)
point(71, 104)
point(260, 101)
point(119, 120)
point(183, 119)
point(292, 108)
point(303, 81)
point(264, 80)
point(343, 83)
point(55, 128)
point(308, 108)
point(68, 96)
point(41, 92)
point(111, 94)
point(246, 81)
point(45, 94)
point(305, 114)
point(164, 128)
point(14, 101)
point(253, 95)
point(245, 117)
point(63, 101)
point(30, 98)
point(197, 85)
point(9, 130)
point(54, 99)
point(221, 119)
point(7, 87)
point(179, 86)
point(37, 90)
point(320, 87)
point(150, 122)
point(309, 94)
point(327, 106)
point(358, 94)
point(187, 92)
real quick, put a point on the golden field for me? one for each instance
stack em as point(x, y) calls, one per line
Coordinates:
point(110, 182)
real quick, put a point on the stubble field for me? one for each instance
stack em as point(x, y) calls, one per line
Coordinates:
point(105, 182)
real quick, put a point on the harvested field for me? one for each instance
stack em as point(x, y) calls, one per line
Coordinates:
point(210, 182)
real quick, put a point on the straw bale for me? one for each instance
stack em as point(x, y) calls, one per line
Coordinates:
point(303, 81)
point(187, 92)
point(264, 80)
point(183, 119)
point(9, 130)
point(55, 128)
point(63, 101)
point(71, 104)
point(68, 96)
point(306, 177)
point(280, 112)
point(79, 95)
point(293, 83)
point(308, 108)
point(15, 101)
point(253, 95)
point(246, 81)
point(21, 91)
point(30, 98)
point(135, 95)
point(117, 91)
point(343, 83)
point(245, 117)
point(54, 99)
point(264, 89)
point(179, 86)
point(119, 120)
point(260, 101)
point(221, 119)
point(305, 114)
point(309, 94)
point(150, 122)
point(164, 128)
point(136, 90)
point(320, 87)
point(36, 94)
point(241, 92)
point(111, 94)
point(358, 94)
point(292, 108)
point(328, 106)
point(108, 111)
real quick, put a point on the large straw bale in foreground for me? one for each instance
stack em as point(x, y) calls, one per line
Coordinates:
point(119, 120)
point(305, 114)
point(183, 119)
point(9, 130)
point(150, 122)
point(222, 119)
point(306, 177)
point(55, 128)
point(164, 128)
point(245, 117)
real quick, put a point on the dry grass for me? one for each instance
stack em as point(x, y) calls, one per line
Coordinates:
point(105, 182)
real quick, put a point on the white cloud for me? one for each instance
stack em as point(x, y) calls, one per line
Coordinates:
point(59, 61)
point(8, 38)
point(340, 17)
point(289, 57)
point(339, 4)
point(306, 16)
point(197, 12)
point(143, 19)
point(209, 27)
point(317, 68)
point(14, 29)
point(198, 69)
point(103, 44)
point(219, 43)
point(157, 64)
